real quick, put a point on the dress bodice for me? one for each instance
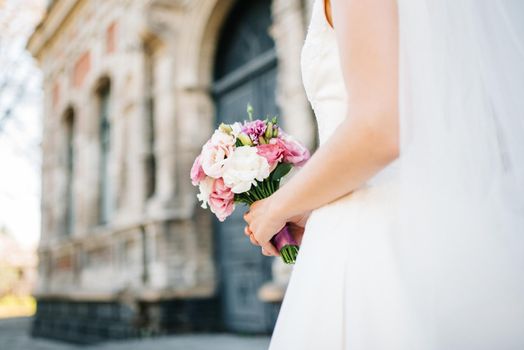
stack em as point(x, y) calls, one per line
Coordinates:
point(322, 75)
point(324, 82)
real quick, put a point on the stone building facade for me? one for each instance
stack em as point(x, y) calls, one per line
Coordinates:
point(133, 88)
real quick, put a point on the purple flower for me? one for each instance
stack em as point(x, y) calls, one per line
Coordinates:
point(254, 129)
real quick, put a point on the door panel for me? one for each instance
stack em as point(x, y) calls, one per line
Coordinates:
point(244, 76)
point(243, 269)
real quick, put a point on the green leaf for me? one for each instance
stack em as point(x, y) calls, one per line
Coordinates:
point(280, 171)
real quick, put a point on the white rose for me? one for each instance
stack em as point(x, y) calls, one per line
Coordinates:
point(205, 186)
point(243, 167)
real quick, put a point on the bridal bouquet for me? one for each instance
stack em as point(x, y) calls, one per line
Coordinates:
point(243, 163)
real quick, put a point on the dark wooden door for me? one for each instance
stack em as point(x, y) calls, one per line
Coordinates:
point(245, 72)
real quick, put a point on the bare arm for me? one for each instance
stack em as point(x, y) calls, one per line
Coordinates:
point(367, 140)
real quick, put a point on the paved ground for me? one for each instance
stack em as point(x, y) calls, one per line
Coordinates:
point(14, 336)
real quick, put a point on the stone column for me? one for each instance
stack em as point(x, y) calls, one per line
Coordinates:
point(129, 68)
point(288, 31)
point(196, 126)
point(166, 132)
point(308, 9)
point(133, 153)
point(158, 29)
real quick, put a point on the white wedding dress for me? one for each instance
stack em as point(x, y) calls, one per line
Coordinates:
point(390, 266)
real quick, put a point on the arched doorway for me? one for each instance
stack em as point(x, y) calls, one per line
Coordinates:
point(245, 72)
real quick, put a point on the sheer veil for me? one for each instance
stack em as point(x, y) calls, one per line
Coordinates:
point(461, 250)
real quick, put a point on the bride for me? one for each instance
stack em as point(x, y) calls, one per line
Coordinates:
point(411, 211)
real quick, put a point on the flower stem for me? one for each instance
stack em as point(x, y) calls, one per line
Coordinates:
point(289, 253)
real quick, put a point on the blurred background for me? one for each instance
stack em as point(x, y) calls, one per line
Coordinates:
point(20, 156)
point(103, 107)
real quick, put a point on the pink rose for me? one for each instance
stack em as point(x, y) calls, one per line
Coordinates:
point(273, 152)
point(294, 152)
point(221, 200)
point(197, 173)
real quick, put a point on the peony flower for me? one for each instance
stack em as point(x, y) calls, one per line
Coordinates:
point(221, 200)
point(254, 130)
point(197, 173)
point(215, 152)
point(205, 186)
point(213, 159)
point(294, 153)
point(273, 152)
point(243, 167)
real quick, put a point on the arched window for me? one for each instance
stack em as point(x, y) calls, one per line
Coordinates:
point(69, 122)
point(151, 89)
point(105, 204)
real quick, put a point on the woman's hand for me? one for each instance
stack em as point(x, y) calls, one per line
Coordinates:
point(264, 222)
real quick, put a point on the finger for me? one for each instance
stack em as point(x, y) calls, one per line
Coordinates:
point(253, 240)
point(246, 216)
point(270, 248)
point(265, 252)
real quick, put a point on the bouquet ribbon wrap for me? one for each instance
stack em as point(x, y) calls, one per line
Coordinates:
point(286, 244)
